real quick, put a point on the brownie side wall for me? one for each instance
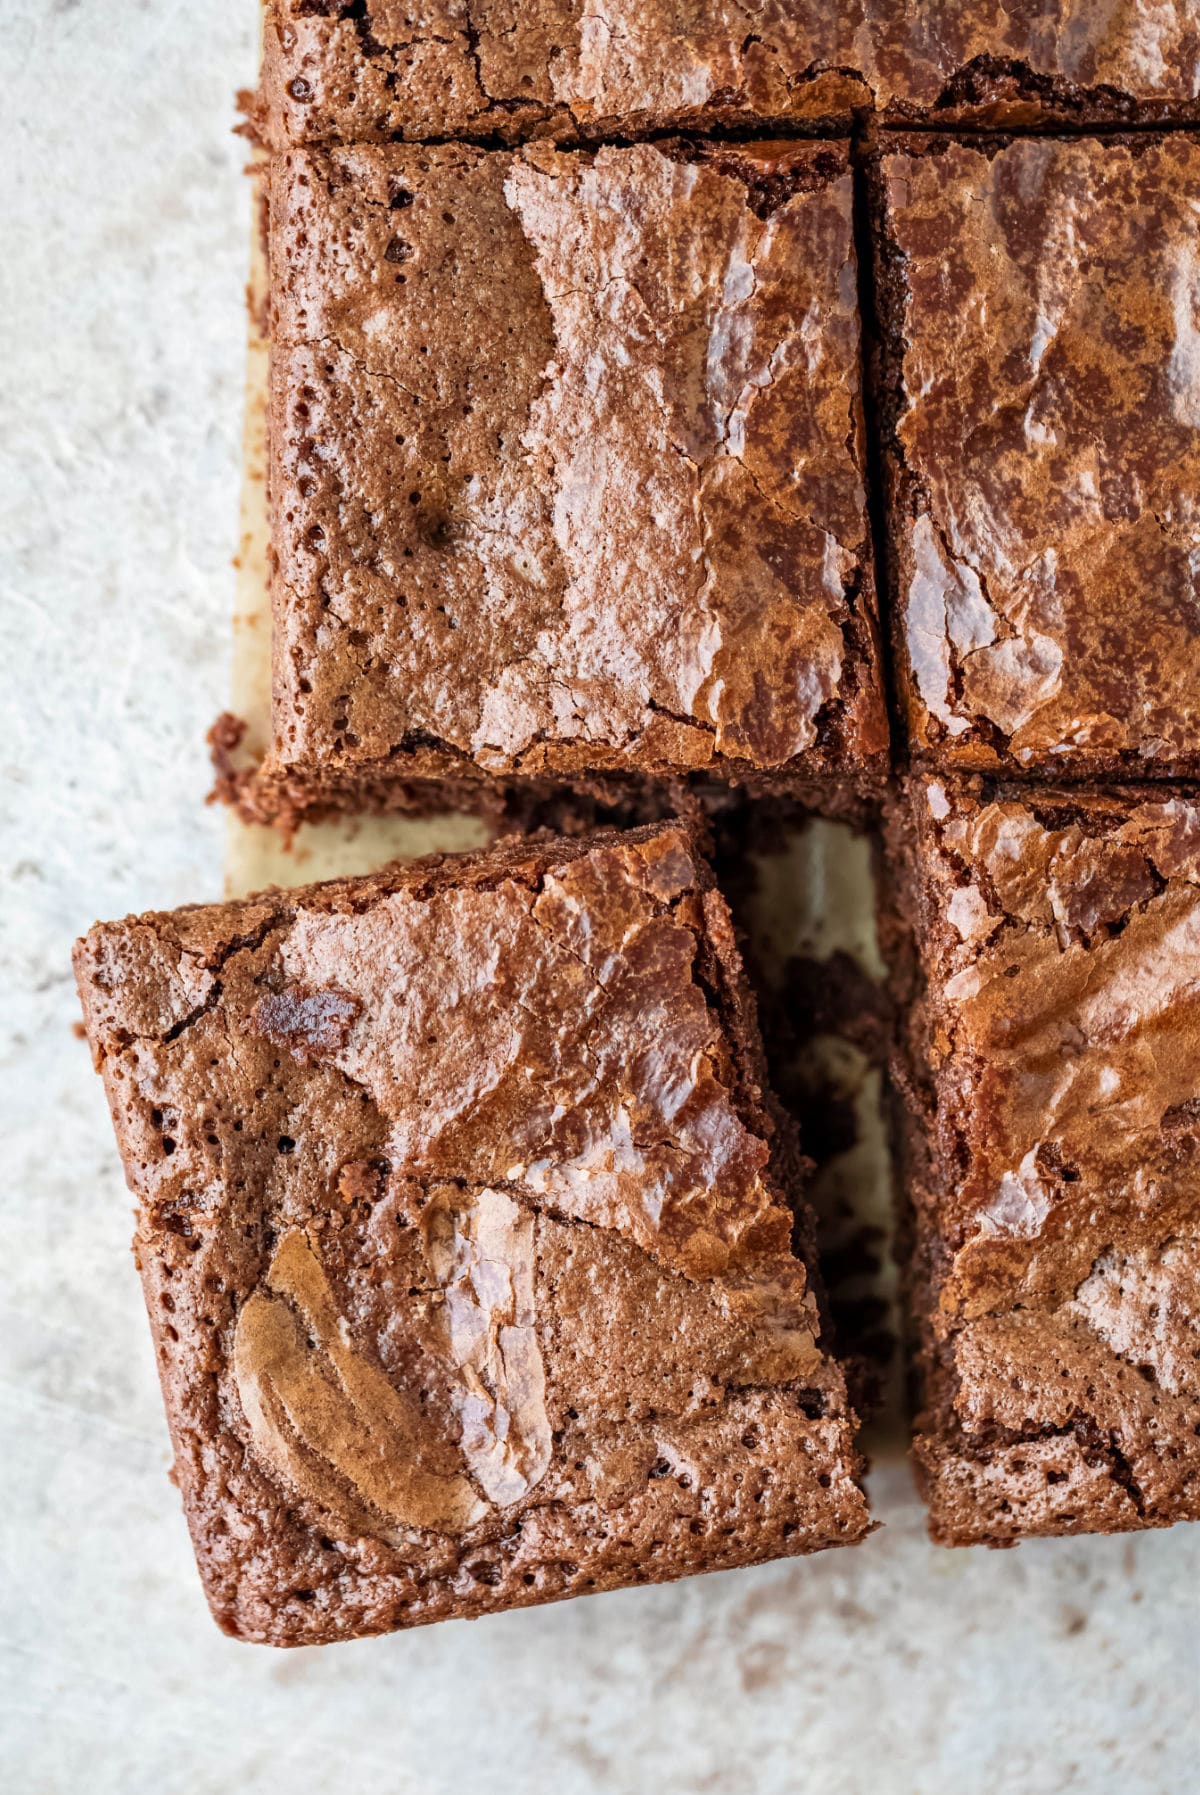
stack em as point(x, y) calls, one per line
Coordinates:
point(913, 1103)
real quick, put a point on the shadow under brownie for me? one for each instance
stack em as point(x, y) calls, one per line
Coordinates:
point(335, 72)
point(466, 1238)
point(1053, 1148)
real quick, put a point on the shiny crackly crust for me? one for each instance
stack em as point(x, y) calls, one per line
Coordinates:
point(627, 530)
point(1053, 1145)
point(333, 72)
point(1040, 377)
point(471, 1124)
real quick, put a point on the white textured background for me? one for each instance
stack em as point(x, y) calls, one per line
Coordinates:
point(890, 1670)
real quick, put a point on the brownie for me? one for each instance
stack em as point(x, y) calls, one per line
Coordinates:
point(334, 71)
point(1040, 387)
point(467, 1238)
point(1054, 1156)
point(566, 468)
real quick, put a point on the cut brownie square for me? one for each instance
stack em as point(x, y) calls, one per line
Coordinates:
point(336, 72)
point(566, 466)
point(1042, 397)
point(466, 1238)
point(1054, 1157)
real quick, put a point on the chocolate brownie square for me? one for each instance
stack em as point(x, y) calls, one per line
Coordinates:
point(467, 1238)
point(1054, 1157)
point(335, 72)
point(566, 470)
point(1041, 381)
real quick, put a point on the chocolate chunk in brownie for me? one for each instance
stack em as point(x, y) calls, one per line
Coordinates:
point(1054, 1157)
point(1042, 395)
point(566, 464)
point(335, 72)
point(467, 1238)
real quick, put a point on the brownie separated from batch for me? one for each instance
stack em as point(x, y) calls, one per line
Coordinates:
point(566, 466)
point(1041, 388)
point(336, 71)
point(1054, 1157)
point(467, 1238)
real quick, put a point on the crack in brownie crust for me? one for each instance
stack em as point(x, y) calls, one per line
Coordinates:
point(1054, 1151)
point(366, 70)
point(461, 1230)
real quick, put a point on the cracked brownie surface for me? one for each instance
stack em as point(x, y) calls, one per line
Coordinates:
point(1042, 382)
point(464, 1238)
point(1054, 1141)
point(567, 468)
point(363, 70)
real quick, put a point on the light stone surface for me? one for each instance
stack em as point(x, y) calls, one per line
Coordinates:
point(895, 1669)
